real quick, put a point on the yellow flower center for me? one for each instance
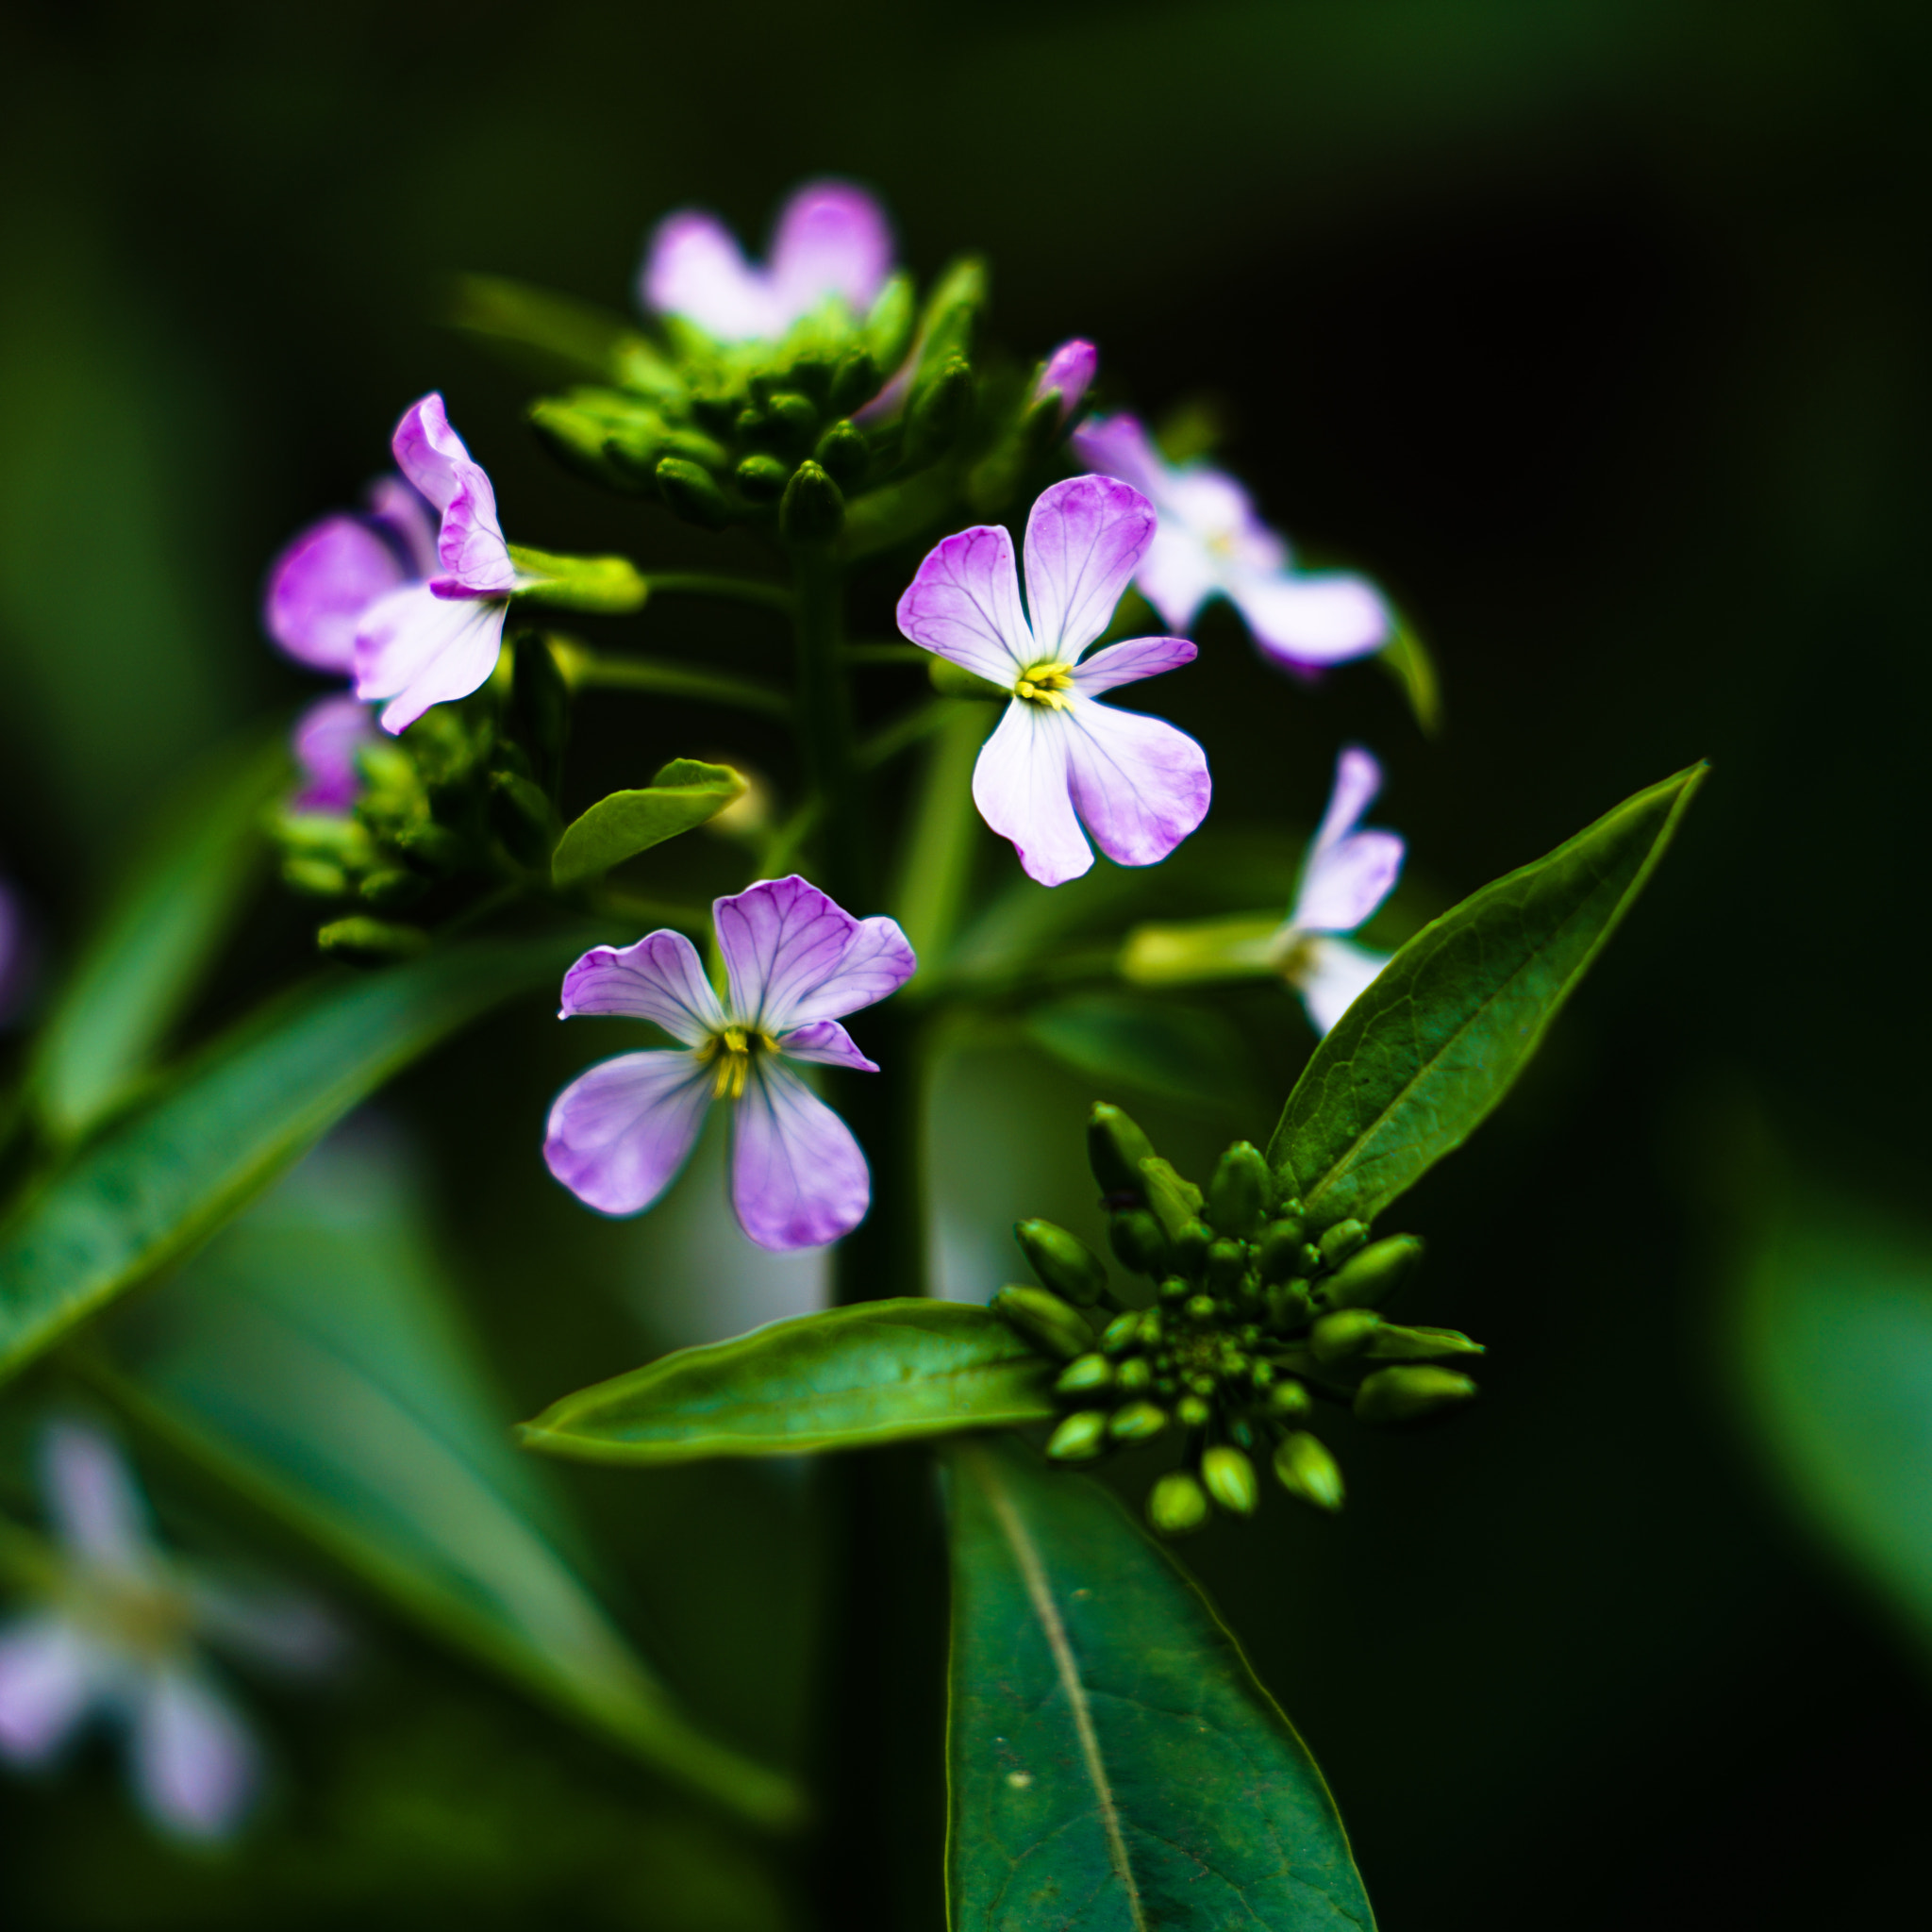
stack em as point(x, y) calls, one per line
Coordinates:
point(729, 1052)
point(1045, 684)
point(147, 1618)
point(1291, 955)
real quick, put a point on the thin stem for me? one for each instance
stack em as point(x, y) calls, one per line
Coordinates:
point(931, 891)
point(587, 672)
point(701, 584)
point(905, 731)
point(782, 849)
point(823, 718)
point(885, 653)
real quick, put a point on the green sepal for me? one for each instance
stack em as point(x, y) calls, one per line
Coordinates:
point(762, 478)
point(1050, 1324)
point(940, 411)
point(1408, 1396)
point(684, 794)
point(1139, 1240)
point(844, 454)
point(612, 586)
point(540, 706)
point(888, 335)
point(1344, 1335)
point(1081, 1438)
point(1389, 1343)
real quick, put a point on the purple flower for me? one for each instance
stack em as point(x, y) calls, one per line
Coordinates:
point(794, 964)
point(832, 240)
point(329, 734)
point(1069, 369)
point(1347, 874)
point(116, 1637)
point(1059, 759)
point(1211, 544)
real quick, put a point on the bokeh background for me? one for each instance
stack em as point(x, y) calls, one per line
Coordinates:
point(1599, 332)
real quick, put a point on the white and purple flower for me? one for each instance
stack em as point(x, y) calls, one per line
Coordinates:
point(832, 240)
point(1059, 759)
point(1211, 544)
point(117, 1638)
point(1068, 373)
point(795, 965)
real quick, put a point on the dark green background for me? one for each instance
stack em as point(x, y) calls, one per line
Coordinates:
point(1597, 331)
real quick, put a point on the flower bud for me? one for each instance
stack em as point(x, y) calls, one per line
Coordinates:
point(1344, 1335)
point(1287, 1399)
point(762, 478)
point(1115, 1149)
point(1368, 1278)
point(1393, 1344)
point(1230, 1479)
point(1407, 1394)
point(855, 381)
point(844, 453)
point(1045, 1321)
point(357, 938)
point(692, 492)
point(1081, 1438)
point(1191, 1246)
point(1121, 1334)
point(814, 511)
point(1228, 1262)
point(1176, 1504)
point(1176, 1202)
point(1307, 1469)
point(1341, 1241)
point(791, 419)
point(1138, 1241)
point(1193, 1412)
point(1136, 1375)
point(1176, 1288)
point(1200, 1308)
point(1064, 1262)
point(1083, 1375)
point(940, 411)
point(1139, 1422)
point(1238, 1194)
point(1281, 1248)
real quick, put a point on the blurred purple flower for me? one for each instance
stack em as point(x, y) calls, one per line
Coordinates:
point(832, 240)
point(795, 965)
point(116, 1637)
point(1211, 544)
point(1347, 874)
point(1069, 369)
point(1138, 785)
point(327, 737)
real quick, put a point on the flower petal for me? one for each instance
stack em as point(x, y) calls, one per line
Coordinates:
point(1126, 663)
point(1118, 447)
point(1020, 786)
point(1334, 977)
point(1324, 618)
point(793, 955)
point(92, 1497)
point(798, 1178)
point(1345, 882)
point(470, 545)
point(420, 649)
point(407, 521)
point(826, 1044)
point(1140, 785)
point(964, 603)
point(49, 1674)
point(1178, 574)
point(321, 585)
point(618, 1134)
point(832, 240)
point(430, 453)
point(1069, 369)
point(326, 739)
point(1085, 540)
point(1357, 779)
point(195, 1766)
point(660, 978)
point(695, 269)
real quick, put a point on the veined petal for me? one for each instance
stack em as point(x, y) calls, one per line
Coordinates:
point(695, 269)
point(1020, 786)
point(618, 1135)
point(798, 1178)
point(828, 1044)
point(50, 1672)
point(195, 1766)
point(418, 649)
point(319, 586)
point(1346, 881)
point(1357, 779)
point(964, 603)
point(1178, 574)
point(660, 978)
point(1085, 540)
point(430, 453)
point(1118, 446)
point(1126, 663)
point(832, 240)
point(1140, 785)
point(1324, 618)
point(1069, 369)
point(470, 546)
point(407, 521)
point(793, 955)
point(327, 736)
point(92, 1500)
point(1333, 975)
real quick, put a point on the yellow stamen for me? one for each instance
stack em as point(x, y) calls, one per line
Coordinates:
point(732, 1048)
point(1045, 683)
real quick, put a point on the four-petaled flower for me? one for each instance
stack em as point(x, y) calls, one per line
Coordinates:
point(831, 240)
point(116, 1636)
point(1347, 874)
point(1138, 785)
point(1211, 544)
point(795, 965)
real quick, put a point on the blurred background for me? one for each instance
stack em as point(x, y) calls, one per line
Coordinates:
point(1599, 334)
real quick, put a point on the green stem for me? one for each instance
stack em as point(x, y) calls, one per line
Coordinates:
point(589, 673)
point(701, 584)
point(823, 717)
point(905, 731)
point(931, 891)
point(886, 654)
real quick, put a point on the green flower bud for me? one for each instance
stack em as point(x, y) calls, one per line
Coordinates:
point(1287, 1399)
point(1194, 1412)
point(1176, 1202)
point(1407, 1394)
point(1307, 1469)
point(1176, 1288)
point(1344, 1335)
point(792, 419)
point(1081, 1438)
point(1230, 1479)
point(1176, 1505)
point(1281, 1248)
point(692, 492)
point(357, 938)
point(1064, 1262)
point(1393, 1344)
point(1121, 1334)
point(762, 478)
point(1368, 1278)
point(844, 452)
point(1083, 1375)
point(577, 429)
point(1136, 1375)
point(1191, 1246)
point(1238, 1194)
point(321, 876)
point(1227, 1262)
point(855, 381)
point(1152, 1329)
point(814, 511)
point(938, 411)
point(1200, 1308)
point(1341, 1241)
point(1115, 1149)
point(393, 889)
point(1138, 1241)
point(524, 818)
point(1045, 1321)
point(1139, 1422)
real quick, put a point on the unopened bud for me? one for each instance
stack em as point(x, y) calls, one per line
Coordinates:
point(1200, 1308)
point(791, 419)
point(1344, 1335)
point(1081, 1438)
point(1176, 1202)
point(856, 380)
point(1065, 374)
point(1176, 1505)
point(1395, 1344)
point(1281, 1249)
point(357, 938)
point(1045, 1321)
point(1368, 1278)
point(1139, 1422)
point(1287, 1399)
point(1194, 1411)
point(762, 478)
point(814, 511)
point(1121, 1334)
point(1238, 1194)
point(1230, 1479)
point(1085, 1374)
point(1136, 1375)
point(1063, 1261)
point(1176, 1288)
point(1340, 1242)
point(940, 411)
point(691, 491)
point(1407, 1394)
point(1138, 1241)
point(1226, 1263)
point(1115, 1149)
point(1307, 1469)
point(1191, 1246)
point(844, 452)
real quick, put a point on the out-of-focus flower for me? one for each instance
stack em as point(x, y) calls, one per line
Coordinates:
point(1211, 544)
point(795, 965)
point(117, 1635)
point(1059, 759)
point(327, 737)
point(1069, 369)
point(832, 240)
point(1347, 874)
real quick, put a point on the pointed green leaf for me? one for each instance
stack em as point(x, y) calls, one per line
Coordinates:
point(850, 1378)
point(314, 1357)
point(1421, 1059)
point(685, 794)
point(1113, 1763)
point(1184, 1053)
point(163, 1180)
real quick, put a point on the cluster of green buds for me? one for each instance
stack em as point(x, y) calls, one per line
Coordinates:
point(1256, 1316)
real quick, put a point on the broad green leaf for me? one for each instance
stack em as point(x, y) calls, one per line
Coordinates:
point(145, 960)
point(1114, 1765)
point(314, 1356)
point(1184, 1053)
point(849, 1378)
point(685, 794)
point(160, 1181)
point(1406, 659)
point(1421, 1059)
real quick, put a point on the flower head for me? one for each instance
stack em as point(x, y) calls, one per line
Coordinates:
point(117, 1635)
point(1059, 758)
point(832, 240)
point(1347, 874)
point(1211, 544)
point(795, 965)
point(1067, 371)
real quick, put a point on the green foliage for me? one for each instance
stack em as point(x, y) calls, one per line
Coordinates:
point(883, 1372)
point(557, 335)
point(610, 585)
point(1406, 659)
point(1189, 1055)
point(684, 794)
point(1421, 1059)
point(1113, 1763)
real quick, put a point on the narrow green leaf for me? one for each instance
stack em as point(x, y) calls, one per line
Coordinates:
point(685, 794)
point(314, 1357)
point(1406, 659)
point(1113, 1763)
point(850, 1378)
point(163, 1180)
point(1439, 1036)
point(557, 334)
point(1184, 1053)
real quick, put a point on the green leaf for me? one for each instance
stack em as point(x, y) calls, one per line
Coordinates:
point(1114, 1765)
point(558, 334)
point(1421, 1059)
point(850, 1378)
point(163, 1180)
point(685, 794)
point(1406, 659)
point(146, 956)
point(314, 1357)
point(613, 585)
point(1184, 1053)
